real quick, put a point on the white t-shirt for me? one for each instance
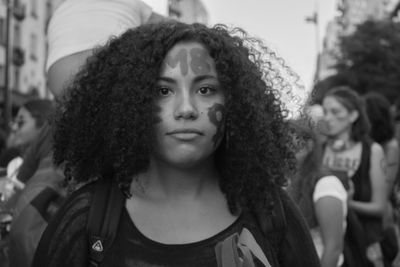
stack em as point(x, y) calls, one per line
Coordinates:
point(79, 25)
point(329, 186)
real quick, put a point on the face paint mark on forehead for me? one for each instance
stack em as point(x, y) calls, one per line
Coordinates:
point(180, 58)
point(216, 114)
point(200, 63)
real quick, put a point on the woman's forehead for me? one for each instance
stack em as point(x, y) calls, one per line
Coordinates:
point(189, 56)
point(187, 45)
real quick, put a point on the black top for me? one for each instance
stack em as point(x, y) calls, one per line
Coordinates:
point(68, 245)
point(132, 248)
point(363, 192)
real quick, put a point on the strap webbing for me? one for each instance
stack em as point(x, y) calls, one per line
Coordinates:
point(104, 215)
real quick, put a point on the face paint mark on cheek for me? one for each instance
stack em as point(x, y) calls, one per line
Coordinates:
point(157, 115)
point(216, 114)
point(180, 58)
point(200, 61)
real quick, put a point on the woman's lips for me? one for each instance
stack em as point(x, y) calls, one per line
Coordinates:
point(185, 134)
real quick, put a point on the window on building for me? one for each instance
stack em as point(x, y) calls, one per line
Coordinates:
point(17, 35)
point(34, 8)
point(2, 75)
point(3, 36)
point(33, 47)
point(17, 82)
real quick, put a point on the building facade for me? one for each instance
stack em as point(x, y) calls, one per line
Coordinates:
point(26, 34)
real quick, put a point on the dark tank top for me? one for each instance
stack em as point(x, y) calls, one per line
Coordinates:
point(363, 192)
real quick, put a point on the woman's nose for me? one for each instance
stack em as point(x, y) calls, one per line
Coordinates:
point(327, 116)
point(186, 107)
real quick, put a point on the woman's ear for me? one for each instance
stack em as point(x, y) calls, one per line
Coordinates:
point(354, 116)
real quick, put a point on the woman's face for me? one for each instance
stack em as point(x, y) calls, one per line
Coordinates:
point(337, 117)
point(191, 102)
point(24, 128)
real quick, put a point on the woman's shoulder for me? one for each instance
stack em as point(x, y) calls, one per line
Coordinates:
point(75, 208)
point(391, 146)
point(376, 150)
point(80, 197)
point(392, 143)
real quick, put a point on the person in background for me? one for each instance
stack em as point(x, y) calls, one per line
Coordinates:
point(181, 118)
point(349, 150)
point(321, 196)
point(31, 118)
point(383, 132)
point(29, 121)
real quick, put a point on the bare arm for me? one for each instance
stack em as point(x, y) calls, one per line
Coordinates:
point(392, 158)
point(379, 186)
point(329, 212)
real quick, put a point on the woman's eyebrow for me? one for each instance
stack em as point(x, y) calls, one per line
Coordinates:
point(204, 77)
point(165, 79)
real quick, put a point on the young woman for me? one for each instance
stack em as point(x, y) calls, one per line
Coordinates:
point(29, 121)
point(321, 196)
point(350, 150)
point(182, 118)
point(27, 124)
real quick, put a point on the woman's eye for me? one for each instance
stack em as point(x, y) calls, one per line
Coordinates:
point(335, 112)
point(164, 91)
point(205, 90)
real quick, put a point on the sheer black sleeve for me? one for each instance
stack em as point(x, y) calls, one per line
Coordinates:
point(65, 242)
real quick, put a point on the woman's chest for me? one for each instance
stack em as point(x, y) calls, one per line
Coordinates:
point(133, 248)
point(343, 161)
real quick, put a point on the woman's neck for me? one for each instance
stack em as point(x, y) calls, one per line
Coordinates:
point(341, 141)
point(162, 180)
point(344, 136)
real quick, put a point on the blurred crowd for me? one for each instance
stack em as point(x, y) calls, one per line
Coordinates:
point(347, 180)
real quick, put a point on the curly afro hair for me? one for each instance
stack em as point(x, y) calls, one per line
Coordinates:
point(105, 120)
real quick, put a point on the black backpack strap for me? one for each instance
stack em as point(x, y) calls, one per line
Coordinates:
point(104, 215)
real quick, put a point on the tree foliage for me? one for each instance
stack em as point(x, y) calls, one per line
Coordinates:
point(370, 58)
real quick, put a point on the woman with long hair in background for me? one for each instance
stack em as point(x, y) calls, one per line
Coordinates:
point(350, 151)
